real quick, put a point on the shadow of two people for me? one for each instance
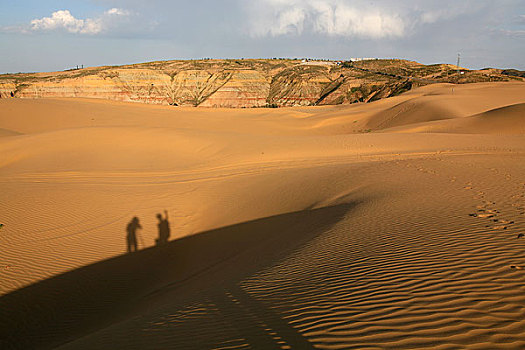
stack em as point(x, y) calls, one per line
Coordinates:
point(133, 226)
point(80, 302)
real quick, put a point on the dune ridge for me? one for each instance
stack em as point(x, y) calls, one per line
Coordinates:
point(505, 120)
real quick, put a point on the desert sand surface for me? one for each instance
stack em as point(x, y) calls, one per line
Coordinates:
point(388, 225)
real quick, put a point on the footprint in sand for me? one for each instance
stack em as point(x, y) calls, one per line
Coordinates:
point(485, 213)
point(482, 215)
point(516, 267)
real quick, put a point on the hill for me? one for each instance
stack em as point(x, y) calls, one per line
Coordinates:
point(243, 83)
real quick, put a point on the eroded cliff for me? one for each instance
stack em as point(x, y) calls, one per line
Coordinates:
point(242, 83)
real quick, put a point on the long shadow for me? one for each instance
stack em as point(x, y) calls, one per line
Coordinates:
point(71, 305)
point(259, 325)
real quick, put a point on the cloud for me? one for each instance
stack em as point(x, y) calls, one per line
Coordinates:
point(438, 15)
point(513, 33)
point(116, 11)
point(288, 21)
point(361, 19)
point(64, 20)
point(327, 17)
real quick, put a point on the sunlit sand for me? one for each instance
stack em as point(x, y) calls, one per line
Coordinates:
point(389, 225)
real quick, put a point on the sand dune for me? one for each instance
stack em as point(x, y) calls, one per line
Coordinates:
point(504, 120)
point(291, 228)
point(446, 101)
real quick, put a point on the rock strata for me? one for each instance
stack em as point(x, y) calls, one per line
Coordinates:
point(242, 83)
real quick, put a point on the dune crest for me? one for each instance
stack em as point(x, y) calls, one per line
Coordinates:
point(506, 120)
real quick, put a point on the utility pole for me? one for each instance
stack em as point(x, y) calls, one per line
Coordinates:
point(459, 58)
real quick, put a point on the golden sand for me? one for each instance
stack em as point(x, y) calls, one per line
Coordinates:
point(390, 225)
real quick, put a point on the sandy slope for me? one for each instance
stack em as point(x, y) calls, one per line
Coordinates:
point(291, 227)
point(503, 120)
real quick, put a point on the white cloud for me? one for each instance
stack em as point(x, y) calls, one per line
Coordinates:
point(64, 20)
point(288, 21)
point(353, 18)
point(513, 33)
point(434, 16)
point(116, 11)
point(329, 17)
point(59, 19)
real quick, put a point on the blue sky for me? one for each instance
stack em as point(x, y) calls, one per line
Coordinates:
point(49, 35)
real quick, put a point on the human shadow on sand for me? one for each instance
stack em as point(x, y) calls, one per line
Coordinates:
point(131, 234)
point(66, 307)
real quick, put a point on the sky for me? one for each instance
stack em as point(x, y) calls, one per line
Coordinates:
point(53, 35)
